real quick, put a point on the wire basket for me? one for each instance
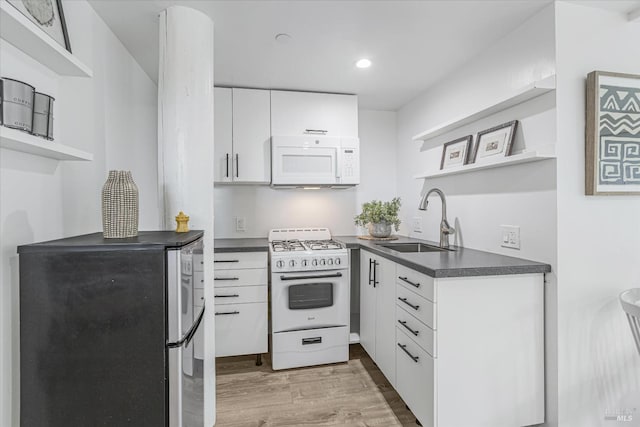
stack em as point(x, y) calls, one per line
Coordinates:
point(630, 300)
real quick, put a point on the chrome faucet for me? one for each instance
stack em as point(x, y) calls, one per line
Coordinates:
point(445, 228)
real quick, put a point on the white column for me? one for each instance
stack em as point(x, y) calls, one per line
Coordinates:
point(185, 146)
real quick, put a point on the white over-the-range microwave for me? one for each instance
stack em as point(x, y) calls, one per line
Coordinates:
point(315, 161)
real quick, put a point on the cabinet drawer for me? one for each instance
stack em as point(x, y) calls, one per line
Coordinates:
point(241, 329)
point(239, 260)
point(415, 378)
point(423, 309)
point(419, 283)
point(240, 295)
point(198, 298)
point(198, 279)
point(310, 347)
point(252, 277)
point(423, 335)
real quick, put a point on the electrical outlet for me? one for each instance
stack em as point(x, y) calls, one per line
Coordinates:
point(510, 236)
point(416, 224)
point(240, 223)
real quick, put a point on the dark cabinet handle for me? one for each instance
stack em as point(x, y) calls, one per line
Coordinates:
point(316, 131)
point(225, 313)
point(226, 278)
point(404, 300)
point(403, 323)
point(404, 279)
point(375, 273)
point(227, 165)
point(237, 165)
point(227, 260)
point(315, 340)
point(404, 348)
point(370, 266)
point(227, 296)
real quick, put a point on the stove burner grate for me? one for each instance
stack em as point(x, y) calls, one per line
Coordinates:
point(287, 245)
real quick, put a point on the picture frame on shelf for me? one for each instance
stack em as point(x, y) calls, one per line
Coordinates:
point(612, 137)
point(456, 153)
point(47, 15)
point(495, 142)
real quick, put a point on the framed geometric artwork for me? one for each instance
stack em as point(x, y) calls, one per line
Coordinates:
point(612, 144)
point(456, 153)
point(48, 16)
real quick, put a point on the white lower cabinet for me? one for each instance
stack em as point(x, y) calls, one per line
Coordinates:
point(472, 356)
point(241, 329)
point(415, 378)
point(377, 311)
point(240, 303)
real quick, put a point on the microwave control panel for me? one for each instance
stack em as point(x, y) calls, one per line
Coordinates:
point(350, 166)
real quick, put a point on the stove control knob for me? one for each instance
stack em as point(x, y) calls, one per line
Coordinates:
point(314, 262)
point(304, 262)
point(330, 261)
point(280, 264)
point(337, 261)
point(292, 263)
point(322, 262)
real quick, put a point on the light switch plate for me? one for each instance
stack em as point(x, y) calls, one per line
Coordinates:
point(240, 223)
point(416, 224)
point(510, 236)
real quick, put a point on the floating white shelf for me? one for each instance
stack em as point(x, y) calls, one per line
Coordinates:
point(13, 139)
point(528, 92)
point(18, 30)
point(516, 159)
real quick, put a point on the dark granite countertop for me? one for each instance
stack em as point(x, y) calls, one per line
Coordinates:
point(241, 245)
point(96, 242)
point(458, 263)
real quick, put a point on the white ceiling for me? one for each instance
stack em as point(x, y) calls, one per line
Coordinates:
point(412, 43)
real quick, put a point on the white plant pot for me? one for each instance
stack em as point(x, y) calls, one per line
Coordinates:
point(380, 229)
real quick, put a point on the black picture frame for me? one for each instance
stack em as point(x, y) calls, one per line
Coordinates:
point(61, 34)
point(466, 141)
point(63, 22)
point(512, 126)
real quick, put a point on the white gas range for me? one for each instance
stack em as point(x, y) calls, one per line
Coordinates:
point(310, 294)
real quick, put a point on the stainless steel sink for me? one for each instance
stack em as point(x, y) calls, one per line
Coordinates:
point(412, 247)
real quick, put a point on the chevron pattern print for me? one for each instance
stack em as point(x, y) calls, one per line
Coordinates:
point(619, 134)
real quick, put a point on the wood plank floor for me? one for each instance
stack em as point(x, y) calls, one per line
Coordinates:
point(347, 394)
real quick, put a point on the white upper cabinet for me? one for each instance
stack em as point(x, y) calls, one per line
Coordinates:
point(223, 134)
point(252, 135)
point(242, 136)
point(304, 113)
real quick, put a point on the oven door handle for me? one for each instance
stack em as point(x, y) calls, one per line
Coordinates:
point(322, 276)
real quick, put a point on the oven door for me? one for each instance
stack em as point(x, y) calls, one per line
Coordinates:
point(304, 161)
point(306, 300)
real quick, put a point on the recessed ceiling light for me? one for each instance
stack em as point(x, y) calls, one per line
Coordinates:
point(363, 63)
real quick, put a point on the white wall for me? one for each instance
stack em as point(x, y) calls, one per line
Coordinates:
point(598, 237)
point(478, 203)
point(265, 208)
point(112, 115)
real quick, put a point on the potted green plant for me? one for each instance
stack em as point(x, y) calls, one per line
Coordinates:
point(379, 216)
